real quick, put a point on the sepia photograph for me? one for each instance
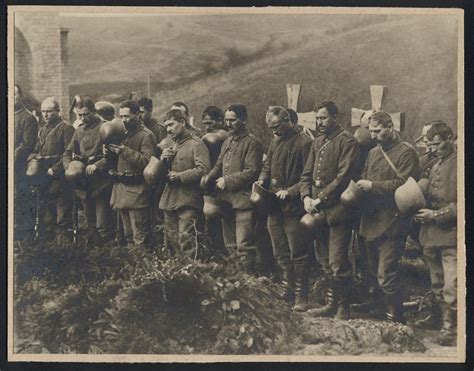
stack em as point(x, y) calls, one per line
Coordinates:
point(275, 184)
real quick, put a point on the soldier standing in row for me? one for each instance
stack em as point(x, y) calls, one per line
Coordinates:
point(56, 194)
point(146, 110)
point(26, 132)
point(182, 199)
point(94, 192)
point(238, 166)
point(438, 234)
point(131, 195)
point(332, 163)
point(281, 174)
point(388, 166)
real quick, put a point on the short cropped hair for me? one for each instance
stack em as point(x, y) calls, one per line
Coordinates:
point(215, 113)
point(440, 128)
point(86, 103)
point(293, 116)
point(330, 107)
point(175, 114)
point(54, 101)
point(146, 103)
point(280, 112)
point(381, 118)
point(131, 104)
point(181, 104)
point(239, 109)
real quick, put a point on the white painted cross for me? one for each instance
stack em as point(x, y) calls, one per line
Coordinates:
point(305, 119)
point(377, 96)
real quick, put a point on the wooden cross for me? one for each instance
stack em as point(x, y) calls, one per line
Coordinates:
point(377, 94)
point(305, 119)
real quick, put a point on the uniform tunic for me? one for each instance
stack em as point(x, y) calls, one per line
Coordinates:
point(26, 132)
point(191, 162)
point(158, 130)
point(283, 167)
point(240, 163)
point(382, 213)
point(139, 147)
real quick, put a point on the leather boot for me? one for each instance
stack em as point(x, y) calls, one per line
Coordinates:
point(447, 335)
point(301, 284)
point(345, 289)
point(248, 262)
point(330, 308)
point(374, 301)
point(395, 307)
point(433, 320)
point(288, 281)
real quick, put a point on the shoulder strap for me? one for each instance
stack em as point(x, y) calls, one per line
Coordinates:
point(391, 164)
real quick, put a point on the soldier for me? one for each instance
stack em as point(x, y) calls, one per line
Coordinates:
point(56, 194)
point(184, 108)
point(237, 167)
point(146, 109)
point(332, 163)
point(438, 233)
point(26, 132)
point(131, 195)
point(388, 166)
point(281, 174)
point(86, 146)
point(182, 199)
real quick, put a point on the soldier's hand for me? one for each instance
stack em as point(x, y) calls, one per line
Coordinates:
point(282, 194)
point(91, 169)
point(105, 150)
point(220, 183)
point(365, 185)
point(50, 172)
point(167, 153)
point(173, 176)
point(424, 215)
point(259, 182)
point(308, 205)
point(117, 149)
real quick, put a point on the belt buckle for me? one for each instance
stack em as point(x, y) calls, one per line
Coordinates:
point(318, 183)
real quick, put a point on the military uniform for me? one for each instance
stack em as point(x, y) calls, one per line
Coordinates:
point(182, 200)
point(282, 171)
point(239, 163)
point(332, 163)
point(131, 195)
point(439, 238)
point(56, 195)
point(158, 130)
point(26, 132)
point(382, 228)
point(86, 145)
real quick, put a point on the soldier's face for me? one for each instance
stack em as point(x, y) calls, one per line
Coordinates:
point(210, 124)
point(84, 115)
point(175, 129)
point(441, 148)
point(232, 122)
point(280, 128)
point(144, 114)
point(17, 95)
point(379, 133)
point(128, 118)
point(48, 111)
point(324, 121)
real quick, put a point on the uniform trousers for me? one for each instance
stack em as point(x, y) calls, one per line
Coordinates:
point(136, 225)
point(333, 249)
point(56, 208)
point(98, 213)
point(182, 230)
point(239, 231)
point(383, 255)
point(289, 239)
point(442, 261)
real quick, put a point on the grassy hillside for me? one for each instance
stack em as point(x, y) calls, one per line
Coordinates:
point(221, 60)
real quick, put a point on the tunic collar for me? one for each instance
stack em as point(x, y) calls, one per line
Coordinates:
point(184, 138)
point(242, 133)
point(391, 143)
point(334, 132)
